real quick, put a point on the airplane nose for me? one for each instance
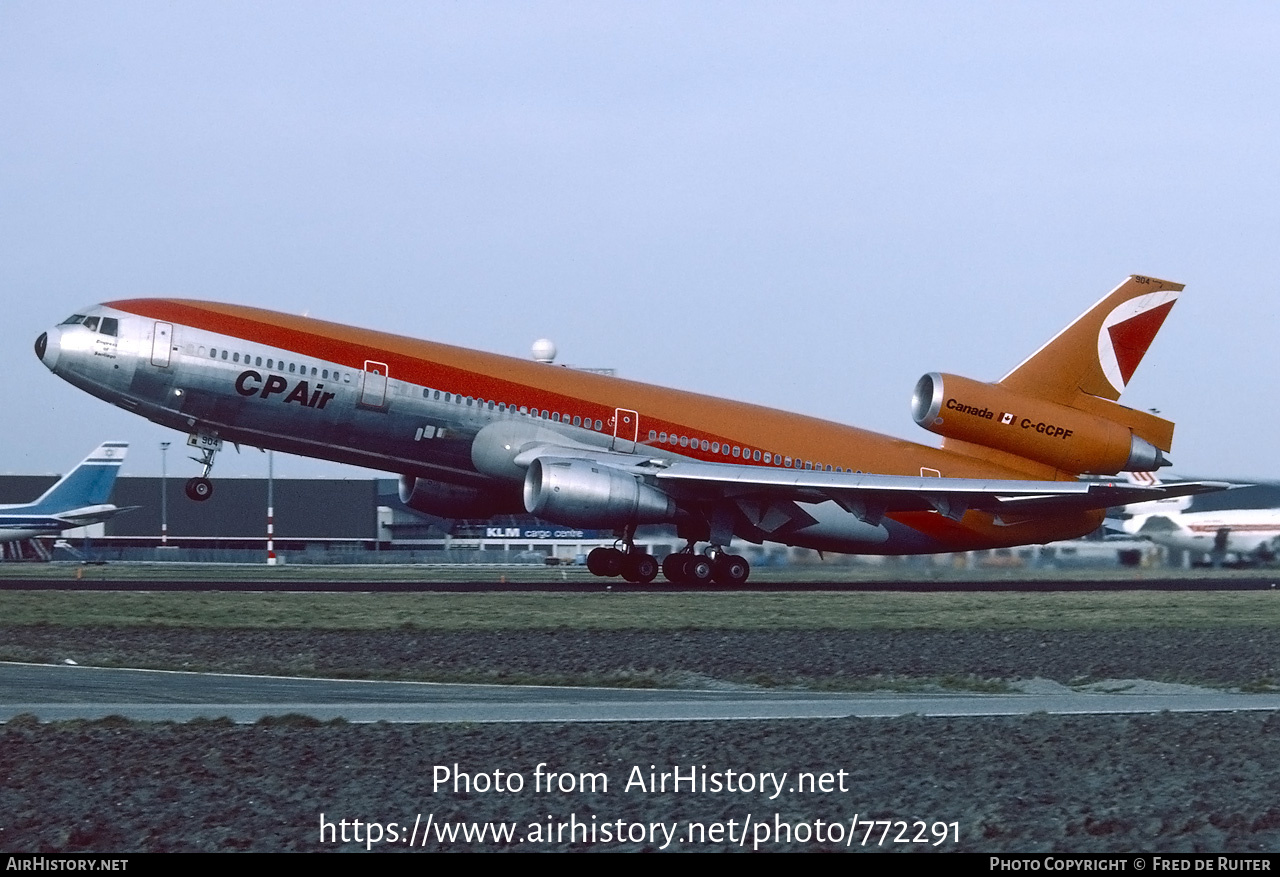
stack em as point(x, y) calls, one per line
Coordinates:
point(47, 349)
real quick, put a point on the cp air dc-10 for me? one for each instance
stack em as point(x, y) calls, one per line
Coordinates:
point(474, 434)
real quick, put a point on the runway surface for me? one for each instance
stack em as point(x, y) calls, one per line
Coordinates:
point(56, 692)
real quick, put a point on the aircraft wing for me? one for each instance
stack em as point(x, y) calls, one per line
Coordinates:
point(870, 497)
point(93, 514)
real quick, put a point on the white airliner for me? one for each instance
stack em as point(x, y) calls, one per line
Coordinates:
point(1247, 534)
point(475, 434)
point(78, 499)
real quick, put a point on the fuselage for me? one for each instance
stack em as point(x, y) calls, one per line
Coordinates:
point(451, 415)
point(1245, 532)
point(15, 524)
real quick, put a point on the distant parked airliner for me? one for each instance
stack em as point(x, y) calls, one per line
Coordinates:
point(78, 499)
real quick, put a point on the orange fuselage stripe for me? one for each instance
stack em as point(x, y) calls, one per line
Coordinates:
point(538, 385)
point(490, 376)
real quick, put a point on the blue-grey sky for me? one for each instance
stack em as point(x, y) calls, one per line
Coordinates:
point(803, 205)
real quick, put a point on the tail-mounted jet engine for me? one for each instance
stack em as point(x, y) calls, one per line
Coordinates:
point(1066, 438)
point(583, 493)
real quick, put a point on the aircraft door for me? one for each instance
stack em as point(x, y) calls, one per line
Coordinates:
point(626, 430)
point(373, 385)
point(161, 344)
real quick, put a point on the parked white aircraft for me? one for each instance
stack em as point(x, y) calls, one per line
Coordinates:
point(1248, 535)
point(77, 500)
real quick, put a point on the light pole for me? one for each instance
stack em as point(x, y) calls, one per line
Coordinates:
point(164, 494)
point(271, 511)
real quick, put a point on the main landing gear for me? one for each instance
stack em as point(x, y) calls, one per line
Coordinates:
point(633, 565)
point(200, 488)
point(685, 567)
point(715, 564)
point(627, 561)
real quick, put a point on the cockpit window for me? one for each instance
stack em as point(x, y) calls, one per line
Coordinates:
point(91, 323)
point(73, 320)
point(110, 326)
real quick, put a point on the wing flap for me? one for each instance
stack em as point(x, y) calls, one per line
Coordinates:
point(869, 497)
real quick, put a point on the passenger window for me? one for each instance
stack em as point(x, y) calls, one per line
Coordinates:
point(313, 371)
point(258, 361)
point(291, 367)
point(737, 452)
point(235, 357)
point(213, 353)
point(577, 421)
point(224, 354)
point(706, 445)
point(653, 435)
point(755, 455)
point(768, 458)
point(110, 326)
point(684, 441)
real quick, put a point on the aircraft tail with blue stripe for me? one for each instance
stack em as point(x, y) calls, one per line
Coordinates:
point(89, 484)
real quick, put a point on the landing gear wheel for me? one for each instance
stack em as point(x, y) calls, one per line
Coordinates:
point(595, 561)
point(731, 570)
point(673, 568)
point(199, 489)
point(698, 570)
point(605, 561)
point(639, 568)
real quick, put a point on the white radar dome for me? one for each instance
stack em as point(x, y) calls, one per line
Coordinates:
point(544, 350)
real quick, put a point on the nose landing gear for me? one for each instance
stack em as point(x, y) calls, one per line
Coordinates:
point(200, 488)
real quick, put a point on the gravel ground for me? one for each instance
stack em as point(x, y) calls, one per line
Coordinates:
point(1168, 783)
